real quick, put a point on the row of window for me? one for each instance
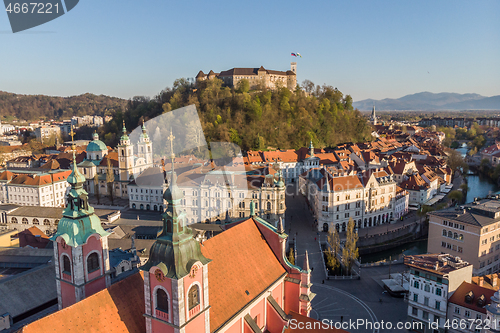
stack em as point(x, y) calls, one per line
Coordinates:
point(92, 263)
point(453, 247)
point(34, 221)
point(425, 315)
point(454, 225)
point(427, 288)
point(454, 235)
point(150, 191)
point(437, 304)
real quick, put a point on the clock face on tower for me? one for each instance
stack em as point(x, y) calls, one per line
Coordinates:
point(159, 275)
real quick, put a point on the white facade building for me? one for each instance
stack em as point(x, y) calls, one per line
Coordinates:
point(433, 277)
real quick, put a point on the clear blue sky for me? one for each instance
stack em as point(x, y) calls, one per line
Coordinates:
point(368, 49)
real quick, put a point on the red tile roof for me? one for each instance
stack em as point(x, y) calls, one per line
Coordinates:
point(119, 308)
point(465, 288)
point(241, 261)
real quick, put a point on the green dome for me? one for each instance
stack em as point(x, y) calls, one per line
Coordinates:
point(96, 145)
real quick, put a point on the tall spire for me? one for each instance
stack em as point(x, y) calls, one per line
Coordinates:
point(305, 267)
point(311, 149)
point(280, 230)
point(175, 248)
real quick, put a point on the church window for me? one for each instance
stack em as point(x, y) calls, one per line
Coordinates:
point(92, 262)
point(162, 300)
point(13, 220)
point(45, 222)
point(123, 152)
point(194, 296)
point(35, 221)
point(25, 220)
point(66, 265)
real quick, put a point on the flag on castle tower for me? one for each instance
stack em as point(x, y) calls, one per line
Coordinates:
point(293, 54)
point(296, 54)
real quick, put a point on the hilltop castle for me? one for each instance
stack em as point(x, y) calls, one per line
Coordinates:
point(268, 78)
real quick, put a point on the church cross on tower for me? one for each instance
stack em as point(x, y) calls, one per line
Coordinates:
point(171, 138)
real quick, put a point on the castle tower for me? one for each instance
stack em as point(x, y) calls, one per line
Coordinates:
point(145, 147)
point(293, 67)
point(125, 156)
point(80, 247)
point(176, 274)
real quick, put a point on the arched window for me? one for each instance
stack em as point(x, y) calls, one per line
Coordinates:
point(455, 235)
point(193, 296)
point(13, 220)
point(444, 232)
point(25, 220)
point(35, 221)
point(56, 222)
point(268, 206)
point(461, 237)
point(92, 262)
point(450, 234)
point(46, 222)
point(66, 265)
point(161, 300)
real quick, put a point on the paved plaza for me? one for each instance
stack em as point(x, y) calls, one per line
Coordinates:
point(341, 300)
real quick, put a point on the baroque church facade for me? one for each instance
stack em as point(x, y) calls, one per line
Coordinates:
point(124, 163)
point(237, 281)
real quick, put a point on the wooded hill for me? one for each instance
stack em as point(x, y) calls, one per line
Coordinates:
point(35, 107)
point(253, 119)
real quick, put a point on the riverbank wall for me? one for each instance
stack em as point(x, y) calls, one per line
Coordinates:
point(391, 239)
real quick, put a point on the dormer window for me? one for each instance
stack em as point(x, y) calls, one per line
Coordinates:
point(481, 301)
point(469, 297)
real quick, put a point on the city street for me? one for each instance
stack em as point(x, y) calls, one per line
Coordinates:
point(341, 300)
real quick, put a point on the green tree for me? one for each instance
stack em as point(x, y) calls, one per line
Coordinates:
point(456, 161)
point(456, 196)
point(334, 242)
point(350, 251)
point(243, 86)
point(422, 212)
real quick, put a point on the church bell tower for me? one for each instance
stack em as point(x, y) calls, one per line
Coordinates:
point(80, 247)
point(176, 274)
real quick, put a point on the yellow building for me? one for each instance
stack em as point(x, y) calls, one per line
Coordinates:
point(471, 232)
point(8, 238)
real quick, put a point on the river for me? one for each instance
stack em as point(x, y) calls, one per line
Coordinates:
point(417, 247)
point(479, 187)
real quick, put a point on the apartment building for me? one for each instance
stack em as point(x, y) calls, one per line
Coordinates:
point(433, 277)
point(44, 133)
point(368, 197)
point(46, 188)
point(471, 232)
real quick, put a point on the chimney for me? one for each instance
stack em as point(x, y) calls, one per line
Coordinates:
point(494, 281)
point(481, 281)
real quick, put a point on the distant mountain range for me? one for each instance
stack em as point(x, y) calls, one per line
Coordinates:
point(427, 101)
